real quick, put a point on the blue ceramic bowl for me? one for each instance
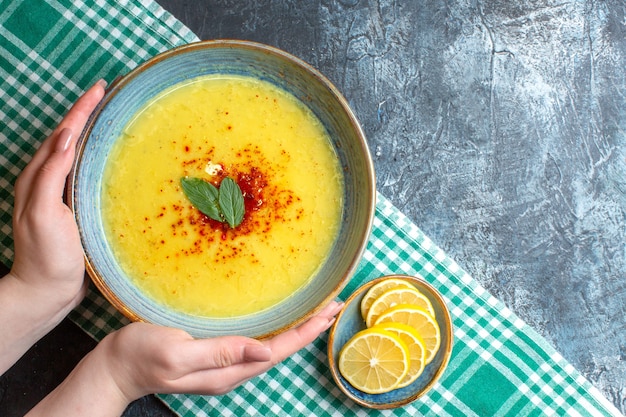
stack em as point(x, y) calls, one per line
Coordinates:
point(128, 94)
point(349, 322)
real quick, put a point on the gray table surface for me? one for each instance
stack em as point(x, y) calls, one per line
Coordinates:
point(498, 127)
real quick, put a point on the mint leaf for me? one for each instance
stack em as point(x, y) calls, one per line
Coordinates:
point(204, 196)
point(225, 204)
point(231, 202)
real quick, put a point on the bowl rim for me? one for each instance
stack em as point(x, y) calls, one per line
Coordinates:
point(333, 365)
point(118, 84)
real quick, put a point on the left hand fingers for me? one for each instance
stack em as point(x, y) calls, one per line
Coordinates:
point(75, 120)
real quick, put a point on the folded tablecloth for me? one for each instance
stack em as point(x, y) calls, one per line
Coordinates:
point(51, 51)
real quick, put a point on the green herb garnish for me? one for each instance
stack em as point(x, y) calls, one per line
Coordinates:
point(224, 204)
point(203, 195)
point(231, 202)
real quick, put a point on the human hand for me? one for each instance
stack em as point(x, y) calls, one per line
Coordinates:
point(145, 358)
point(48, 253)
point(47, 279)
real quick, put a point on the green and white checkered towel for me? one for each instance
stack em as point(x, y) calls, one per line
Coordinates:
point(52, 50)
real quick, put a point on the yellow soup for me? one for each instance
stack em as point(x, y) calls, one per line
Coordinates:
point(278, 153)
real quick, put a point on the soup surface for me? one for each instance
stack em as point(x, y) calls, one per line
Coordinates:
point(278, 153)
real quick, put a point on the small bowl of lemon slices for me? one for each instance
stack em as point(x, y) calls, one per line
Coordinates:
point(391, 342)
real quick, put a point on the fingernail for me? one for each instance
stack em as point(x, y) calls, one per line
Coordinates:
point(257, 353)
point(64, 140)
point(102, 83)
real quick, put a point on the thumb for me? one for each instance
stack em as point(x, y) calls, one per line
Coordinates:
point(225, 351)
point(50, 179)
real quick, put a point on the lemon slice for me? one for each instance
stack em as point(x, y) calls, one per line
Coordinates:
point(377, 289)
point(420, 320)
point(394, 297)
point(415, 344)
point(374, 361)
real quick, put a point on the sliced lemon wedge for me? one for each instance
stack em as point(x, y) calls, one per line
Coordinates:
point(379, 288)
point(415, 344)
point(420, 320)
point(374, 361)
point(394, 297)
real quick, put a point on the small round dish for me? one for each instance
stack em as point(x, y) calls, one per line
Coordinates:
point(349, 322)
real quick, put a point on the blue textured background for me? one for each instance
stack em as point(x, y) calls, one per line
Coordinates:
point(498, 127)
